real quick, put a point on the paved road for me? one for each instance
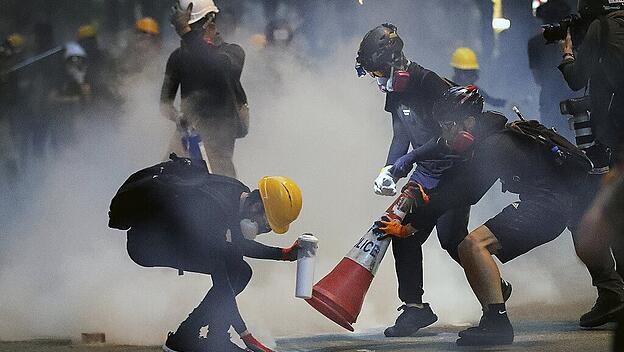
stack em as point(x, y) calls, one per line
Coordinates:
point(546, 336)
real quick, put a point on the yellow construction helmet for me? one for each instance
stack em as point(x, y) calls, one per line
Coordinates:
point(86, 31)
point(465, 59)
point(15, 40)
point(281, 198)
point(147, 25)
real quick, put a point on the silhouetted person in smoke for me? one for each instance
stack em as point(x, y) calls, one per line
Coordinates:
point(68, 99)
point(42, 77)
point(11, 95)
point(542, 61)
point(207, 72)
point(466, 70)
point(102, 77)
point(144, 47)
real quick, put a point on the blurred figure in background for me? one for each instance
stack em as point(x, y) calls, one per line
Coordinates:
point(35, 124)
point(102, 76)
point(207, 72)
point(279, 33)
point(144, 48)
point(10, 54)
point(466, 73)
point(68, 99)
point(542, 61)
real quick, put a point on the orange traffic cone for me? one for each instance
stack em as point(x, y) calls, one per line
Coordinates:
point(340, 294)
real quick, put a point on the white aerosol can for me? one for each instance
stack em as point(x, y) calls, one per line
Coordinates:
point(306, 260)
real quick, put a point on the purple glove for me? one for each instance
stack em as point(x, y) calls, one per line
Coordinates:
point(402, 166)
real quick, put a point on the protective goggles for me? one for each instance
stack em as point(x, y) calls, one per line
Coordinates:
point(361, 72)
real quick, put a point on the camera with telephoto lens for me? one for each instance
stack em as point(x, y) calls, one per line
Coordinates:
point(579, 112)
point(559, 31)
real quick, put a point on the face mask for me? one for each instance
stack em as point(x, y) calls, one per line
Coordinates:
point(397, 82)
point(462, 142)
point(249, 229)
point(77, 74)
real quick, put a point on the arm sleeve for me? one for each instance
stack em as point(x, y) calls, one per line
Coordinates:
point(257, 250)
point(577, 72)
point(400, 141)
point(468, 184)
point(431, 150)
point(171, 82)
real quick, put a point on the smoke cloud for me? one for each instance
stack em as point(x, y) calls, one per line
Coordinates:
point(63, 272)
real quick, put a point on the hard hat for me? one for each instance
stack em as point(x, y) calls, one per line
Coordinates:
point(458, 103)
point(73, 49)
point(381, 48)
point(147, 25)
point(15, 40)
point(87, 31)
point(258, 40)
point(465, 59)
point(281, 198)
point(200, 8)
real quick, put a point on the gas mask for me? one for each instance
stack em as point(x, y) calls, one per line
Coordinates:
point(398, 81)
point(76, 69)
point(460, 141)
point(249, 228)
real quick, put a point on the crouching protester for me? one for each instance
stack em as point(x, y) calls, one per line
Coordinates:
point(547, 173)
point(180, 216)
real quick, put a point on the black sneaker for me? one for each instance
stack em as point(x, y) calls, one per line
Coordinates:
point(607, 307)
point(497, 331)
point(411, 320)
point(506, 288)
point(179, 343)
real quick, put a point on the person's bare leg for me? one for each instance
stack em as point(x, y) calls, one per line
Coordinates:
point(475, 253)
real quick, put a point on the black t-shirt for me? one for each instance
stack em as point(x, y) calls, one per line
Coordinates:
point(205, 76)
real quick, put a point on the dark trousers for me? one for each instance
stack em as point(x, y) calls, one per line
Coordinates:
point(219, 310)
point(452, 228)
point(599, 262)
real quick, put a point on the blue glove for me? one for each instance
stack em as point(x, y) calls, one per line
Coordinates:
point(402, 166)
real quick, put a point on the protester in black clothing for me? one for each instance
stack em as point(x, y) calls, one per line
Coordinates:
point(542, 59)
point(410, 92)
point(179, 216)
point(598, 64)
point(207, 71)
point(551, 199)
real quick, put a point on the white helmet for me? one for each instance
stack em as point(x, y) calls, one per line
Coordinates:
point(200, 8)
point(74, 49)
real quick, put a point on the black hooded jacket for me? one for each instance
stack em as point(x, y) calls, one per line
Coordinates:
point(522, 165)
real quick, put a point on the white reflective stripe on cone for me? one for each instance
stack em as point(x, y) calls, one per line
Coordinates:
point(369, 251)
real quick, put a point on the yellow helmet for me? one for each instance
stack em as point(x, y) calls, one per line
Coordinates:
point(465, 59)
point(86, 31)
point(15, 40)
point(147, 25)
point(281, 198)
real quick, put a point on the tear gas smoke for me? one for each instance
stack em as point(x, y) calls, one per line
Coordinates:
point(62, 271)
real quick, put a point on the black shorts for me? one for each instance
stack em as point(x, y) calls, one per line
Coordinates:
point(529, 223)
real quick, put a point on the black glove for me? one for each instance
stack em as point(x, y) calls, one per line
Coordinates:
point(180, 18)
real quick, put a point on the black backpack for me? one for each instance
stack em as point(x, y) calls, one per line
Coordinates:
point(157, 193)
point(563, 152)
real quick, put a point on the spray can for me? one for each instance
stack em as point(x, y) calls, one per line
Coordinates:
point(306, 260)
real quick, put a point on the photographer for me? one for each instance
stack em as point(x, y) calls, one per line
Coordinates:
point(598, 65)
